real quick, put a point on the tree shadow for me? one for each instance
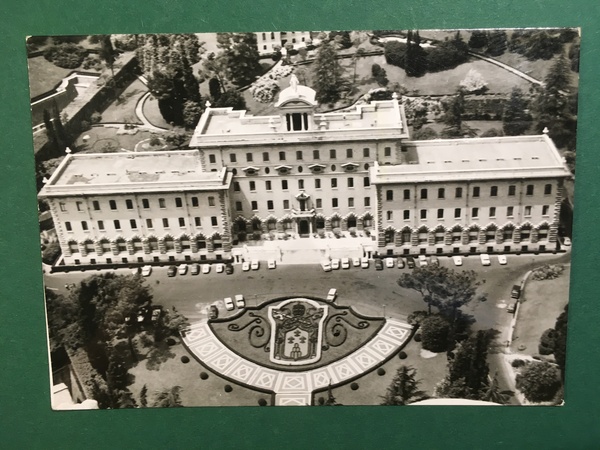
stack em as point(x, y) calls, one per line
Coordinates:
point(161, 353)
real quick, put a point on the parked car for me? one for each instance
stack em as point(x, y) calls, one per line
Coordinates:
point(229, 304)
point(457, 260)
point(364, 263)
point(255, 264)
point(156, 312)
point(435, 261)
point(146, 271)
point(136, 270)
point(239, 301)
point(326, 265)
point(502, 259)
point(378, 264)
point(213, 312)
point(245, 266)
point(511, 308)
point(515, 292)
point(220, 267)
point(171, 271)
point(390, 263)
point(401, 264)
point(183, 268)
point(332, 294)
point(356, 262)
point(195, 269)
point(422, 260)
point(271, 264)
point(485, 259)
point(206, 268)
point(566, 242)
point(228, 269)
point(345, 263)
point(335, 264)
point(410, 262)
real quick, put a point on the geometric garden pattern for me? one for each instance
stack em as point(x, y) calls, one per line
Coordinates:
point(294, 388)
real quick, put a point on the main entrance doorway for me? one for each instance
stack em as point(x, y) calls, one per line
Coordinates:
point(303, 227)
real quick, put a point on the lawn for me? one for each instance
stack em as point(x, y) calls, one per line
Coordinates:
point(542, 303)
point(153, 114)
point(481, 126)
point(122, 110)
point(44, 76)
point(102, 138)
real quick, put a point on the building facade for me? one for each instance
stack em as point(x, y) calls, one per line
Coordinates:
point(312, 177)
point(268, 40)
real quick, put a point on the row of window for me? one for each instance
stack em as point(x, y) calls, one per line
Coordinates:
point(133, 223)
point(162, 203)
point(286, 204)
point(510, 210)
point(457, 236)
point(458, 192)
point(301, 184)
point(316, 155)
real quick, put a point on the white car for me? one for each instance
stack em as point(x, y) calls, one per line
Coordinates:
point(390, 263)
point(457, 260)
point(255, 264)
point(326, 265)
point(271, 264)
point(239, 301)
point(422, 260)
point(345, 263)
point(331, 294)
point(364, 263)
point(335, 264)
point(567, 242)
point(245, 266)
point(183, 268)
point(356, 262)
point(229, 304)
point(220, 268)
point(146, 271)
point(205, 268)
point(502, 259)
point(485, 259)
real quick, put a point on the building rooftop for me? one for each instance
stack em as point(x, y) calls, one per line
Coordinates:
point(126, 172)
point(475, 158)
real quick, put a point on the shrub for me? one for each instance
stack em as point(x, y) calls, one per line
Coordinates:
point(203, 376)
point(394, 53)
point(354, 386)
point(473, 83)
point(547, 342)
point(67, 56)
point(185, 359)
point(381, 372)
point(434, 332)
point(262, 402)
point(492, 132)
point(321, 401)
point(96, 118)
point(402, 355)
point(547, 272)
point(517, 363)
point(416, 318)
point(539, 382)
point(92, 62)
point(418, 338)
point(51, 252)
point(447, 55)
point(228, 388)
point(155, 141)
point(425, 134)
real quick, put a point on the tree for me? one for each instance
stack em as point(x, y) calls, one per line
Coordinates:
point(394, 53)
point(478, 39)
point(177, 138)
point(404, 388)
point(539, 382)
point(116, 374)
point(67, 55)
point(470, 364)
point(515, 119)
point(473, 83)
point(144, 396)
point(191, 113)
point(168, 398)
point(574, 57)
point(560, 340)
point(107, 52)
point(341, 38)
point(359, 53)
point(435, 333)
point(414, 56)
point(214, 88)
point(424, 134)
point(453, 110)
point(379, 74)
point(328, 75)
point(239, 57)
point(232, 99)
point(494, 394)
point(497, 42)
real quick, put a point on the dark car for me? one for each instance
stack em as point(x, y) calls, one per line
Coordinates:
point(378, 264)
point(229, 269)
point(410, 262)
point(511, 308)
point(171, 271)
point(213, 312)
point(515, 292)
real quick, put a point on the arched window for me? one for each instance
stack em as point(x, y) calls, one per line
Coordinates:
point(153, 244)
point(137, 245)
point(201, 241)
point(73, 246)
point(490, 233)
point(169, 243)
point(525, 233)
point(389, 235)
point(406, 235)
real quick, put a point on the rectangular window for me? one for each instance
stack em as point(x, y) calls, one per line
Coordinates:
point(254, 204)
point(492, 211)
point(458, 192)
point(84, 225)
point(112, 204)
point(161, 203)
point(334, 182)
point(300, 184)
point(253, 186)
point(349, 153)
point(317, 183)
point(211, 201)
point(316, 154)
point(512, 189)
point(319, 203)
point(389, 215)
point(334, 202)
point(510, 211)
point(350, 202)
point(367, 201)
point(232, 157)
point(248, 157)
point(350, 182)
point(101, 225)
point(406, 194)
point(145, 203)
point(286, 204)
point(475, 213)
point(406, 214)
point(212, 159)
point(366, 152)
point(476, 191)
point(238, 206)
point(117, 224)
point(281, 156)
point(423, 214)
point(494, 191)
point(284, 184)
point(528, 211)
point(236, 186)
point(195, 202)
point(299, 155)
point(389, 195)
point(213, 221)
point(96, 205)
point(178, 202)
point(268, 185)
point(424, 194)
point(387, 151)
point(63, 207)
point(270, 205)
point(133, 224)
point(197, 221)
point(149, 223)
point(457, 213)
point(441, 193)
point(545, 210)
point(182, 222)
point(440, 213)
point(548, 189)
point(165, 223)
point(332, 153)
point(529, 190)
point(265, 156)
point(366, 182)
point(79, 206)
point(68, 226)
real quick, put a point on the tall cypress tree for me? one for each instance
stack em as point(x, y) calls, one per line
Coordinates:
point(328, 74)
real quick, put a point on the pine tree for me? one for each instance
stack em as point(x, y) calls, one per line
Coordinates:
point(214, 88)
point(107, 53)
point(144, 396)
point(494, 394)
point(515, 120)
point(328, 75)
point(404, 388)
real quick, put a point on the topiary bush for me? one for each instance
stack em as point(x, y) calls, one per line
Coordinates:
point(203, 376)
point(228, 388)
point(185, 359)
point(418, 338)
point(381, 371)
point(262, 402)
point(354, 386)
point(517, 363)
point(402, 355)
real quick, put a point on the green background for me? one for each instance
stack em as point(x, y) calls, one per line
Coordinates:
point(26, 420)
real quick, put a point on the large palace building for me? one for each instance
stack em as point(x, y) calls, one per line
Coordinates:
point(347, 183)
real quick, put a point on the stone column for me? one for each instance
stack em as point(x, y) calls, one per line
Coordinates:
point(146, 246)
